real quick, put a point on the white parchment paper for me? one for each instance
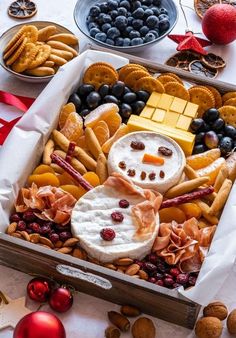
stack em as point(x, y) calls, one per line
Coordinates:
point(23, 148)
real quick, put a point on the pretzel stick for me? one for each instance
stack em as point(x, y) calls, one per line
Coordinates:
point(221, 197)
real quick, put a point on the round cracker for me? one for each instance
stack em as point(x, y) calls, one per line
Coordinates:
point(217, 96)
point(127, 69)
point(31, 33)
point(26, 57)
point(97, 75)
point(17, 53)
point(228, 114)
point(209, 91)
point(14, 39)
point(231, 102)
point(150, 84)
point(166, 78)
point(202, 97)
point(177, 89)
point(174, 76)
point(41, 56)
point(13, 48)
point(228, 96)
point(131, 79)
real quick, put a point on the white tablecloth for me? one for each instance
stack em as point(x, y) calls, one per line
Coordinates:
point(88, 316)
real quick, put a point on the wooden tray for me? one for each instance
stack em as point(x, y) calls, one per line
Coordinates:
point(96, 280)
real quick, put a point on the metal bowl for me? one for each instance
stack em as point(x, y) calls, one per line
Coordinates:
point(6, 37)
point(81, 12)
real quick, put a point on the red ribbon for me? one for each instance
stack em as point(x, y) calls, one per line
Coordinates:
point(21, 102)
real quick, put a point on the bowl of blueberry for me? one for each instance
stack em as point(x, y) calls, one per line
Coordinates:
point(126, 25)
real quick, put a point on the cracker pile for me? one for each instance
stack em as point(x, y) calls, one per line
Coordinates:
point(39, 52)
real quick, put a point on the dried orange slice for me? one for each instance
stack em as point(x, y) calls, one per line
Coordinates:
point(73, 127)
point(65, 112)
point(212, 170)
point(202, 160)
point(42, 169)
point(100, 113)
point(123, 130)
point(101, 131)
point(92, 178)
point(113, 122)
point(65, 179)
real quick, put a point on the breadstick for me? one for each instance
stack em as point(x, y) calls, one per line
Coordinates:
point(220, 178)
point(48, 150)
point(46, 32)
point(231, 165)
point(101, 169)
point(221, 197)
point(57, 60)
point(62, 53)
point(77, 165)
point(92, 142)
point(62, 46)
point(82, 156)
point(56, 168)
point(186, 187)
point(190, 172)
point(205, 212)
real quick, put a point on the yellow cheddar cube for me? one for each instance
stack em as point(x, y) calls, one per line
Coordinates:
point(165, 101)
point(184, 138)
point(191, 110)
point(184, 122)
point(147, 112)
point(154, 99)
point(171, 118)
point(159, 115)
point(178, 105)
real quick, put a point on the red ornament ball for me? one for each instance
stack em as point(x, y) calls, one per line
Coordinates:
point(61, 299)
point(39, 325)
point(39, 289)
point(219, 24)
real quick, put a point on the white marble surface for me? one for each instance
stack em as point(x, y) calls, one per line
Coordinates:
point(88, 317)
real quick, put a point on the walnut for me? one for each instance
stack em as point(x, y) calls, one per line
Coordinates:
point(208, 327)
point(231, 322)
point(216, 309)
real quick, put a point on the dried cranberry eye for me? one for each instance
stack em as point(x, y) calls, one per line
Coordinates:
point(123, 204)
point(107, 234)
point(117, 216)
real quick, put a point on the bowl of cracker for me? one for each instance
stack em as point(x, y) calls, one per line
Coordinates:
point(34, 52)
point(126, 25)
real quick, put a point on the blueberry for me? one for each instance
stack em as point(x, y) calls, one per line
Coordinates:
point(144, 7)
point(94, 31)
point(226, 145)
point(147, 2)
point(126, 42)
point(74, 98)
point(100, 20)
point(156, 3)
point(137, 24)
point(113, 33)
point(89, 19)
point(134, 34)
point(164, 25)
point(128, 30)
point(92, 25)
point(129, 97)
point(105, 27)
point(130, 20)
point(127, 90)
point(210, 115)
point(125, 4)
point(113, 14)
point(93, 100)
point(142, 95)
point(110, 42)
point(138, 13)
point(104, 90)
point(122, 11)
point(163, 11)
point(104, 7)
point(112, 4)
point(230, 131)
point(107, 18)
point(148, 12)
point(136, 41)
point(152, 21)
point(197, 125)
point(84, 112)
point(149, 37)
point(84, 90)
point(199, 138)
point(110, 99)
point(125, 110)
point(121, 22)
point(144, 30)
point(101, 37)
point(199, 148)
point(119, 41)
point(94, 11)
point(156, 11)
point(218, 124)
point(118, 89)
point(137, 107)
point(155, 33)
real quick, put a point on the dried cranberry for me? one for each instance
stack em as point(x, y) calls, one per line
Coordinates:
point(149, 267)
point(136, 145)
point(152, 280)
point(143, 175)
point(54, 237)
point(165, 151)
point(29, 216)
point(123, 204)
point(131, 172)
point(174, 272)
point(192, 280)
point(21, 226)
point(167, 275)
point(35, 227)
point(29, 231)
point(65, 235)
point(160, 282)
point(117, 216)
point(159, 275)
point(161, 267)
point(60, 227)
point(122, 165)
point(108, 234)
point(152, 176)
point(162, 174)
point(152, 258)
point(168, 282)
point(176, 285)
point(182, 278)
point(15, 218)
point(45, 229)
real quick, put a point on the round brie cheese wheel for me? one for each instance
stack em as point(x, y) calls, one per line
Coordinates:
point(92, 213)
point(173, 166)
